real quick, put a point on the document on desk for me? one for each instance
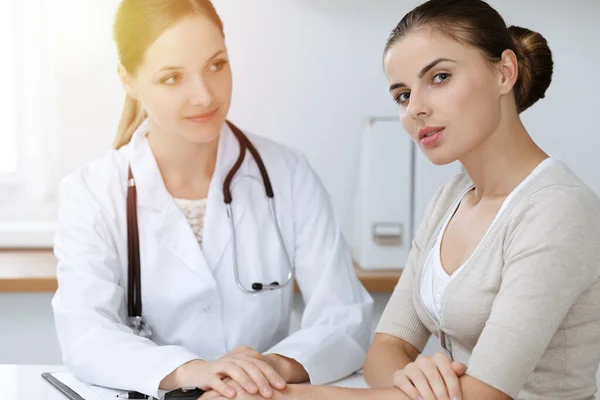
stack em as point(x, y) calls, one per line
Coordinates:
point(87, 391)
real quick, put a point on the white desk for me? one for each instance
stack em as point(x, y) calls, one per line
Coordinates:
point(24, 382)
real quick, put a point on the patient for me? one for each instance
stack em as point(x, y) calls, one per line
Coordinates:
point(505, 266)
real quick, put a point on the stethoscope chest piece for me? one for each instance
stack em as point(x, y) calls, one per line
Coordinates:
point(140, 327)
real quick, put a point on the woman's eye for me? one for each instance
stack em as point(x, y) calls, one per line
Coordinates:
point(218, 66)
point(441, 77)
point(170, 80)
point(402, 98)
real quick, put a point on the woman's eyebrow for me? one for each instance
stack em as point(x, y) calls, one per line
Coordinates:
point(425, 69)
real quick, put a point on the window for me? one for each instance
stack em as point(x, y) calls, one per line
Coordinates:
point(27, 206)
point(8, 93)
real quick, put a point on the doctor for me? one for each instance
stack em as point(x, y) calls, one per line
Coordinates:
point(206, 269)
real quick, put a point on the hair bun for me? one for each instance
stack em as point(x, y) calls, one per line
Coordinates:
point(535, 66)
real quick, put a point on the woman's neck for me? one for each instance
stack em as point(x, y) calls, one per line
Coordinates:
point(502, 161)
point(186, 168)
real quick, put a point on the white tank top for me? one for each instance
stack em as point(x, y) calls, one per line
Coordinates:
point(434, 279)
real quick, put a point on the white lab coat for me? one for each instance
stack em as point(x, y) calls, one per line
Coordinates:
point(189, 295)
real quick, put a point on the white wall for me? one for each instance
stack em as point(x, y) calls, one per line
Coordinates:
point(308, 72)
point(27, 333)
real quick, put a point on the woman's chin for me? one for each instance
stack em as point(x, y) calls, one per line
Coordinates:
point(203, 133)
point(439, 156)
point(203, 137)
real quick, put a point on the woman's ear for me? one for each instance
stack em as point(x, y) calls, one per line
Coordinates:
point(126, 81)
point(509, 71)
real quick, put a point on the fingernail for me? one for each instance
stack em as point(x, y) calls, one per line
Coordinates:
point(419, 398)
point(456, 398)
point(280, 382)
point(267, 391)
point(231, 392)
point(252, 387)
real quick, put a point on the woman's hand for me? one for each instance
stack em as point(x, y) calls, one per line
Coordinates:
point(242, 394)
point(243, 365)
point(290, 370)
point(431, 378)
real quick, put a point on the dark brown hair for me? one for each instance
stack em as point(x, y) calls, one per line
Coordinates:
point(476, 23)
point(138, 24)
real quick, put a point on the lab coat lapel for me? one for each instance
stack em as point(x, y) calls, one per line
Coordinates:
point(217, 227)
point(159, 214)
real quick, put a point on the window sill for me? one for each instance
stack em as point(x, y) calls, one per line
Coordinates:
point(27, 271)
point(35, 271)
point(27, 234)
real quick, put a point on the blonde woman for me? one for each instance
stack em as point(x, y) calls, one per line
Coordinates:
point(206, 226)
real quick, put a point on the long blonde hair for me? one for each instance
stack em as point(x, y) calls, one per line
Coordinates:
point(138, 23)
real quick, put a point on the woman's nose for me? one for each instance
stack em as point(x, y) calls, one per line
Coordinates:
point(200, 93)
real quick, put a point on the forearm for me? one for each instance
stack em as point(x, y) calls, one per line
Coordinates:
point(308, 392)
point(382, 362)
point(326, 352)
point(142, 364)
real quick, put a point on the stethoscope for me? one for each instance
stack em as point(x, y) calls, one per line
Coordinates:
point(134, 292)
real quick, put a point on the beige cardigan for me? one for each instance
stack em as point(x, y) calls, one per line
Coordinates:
point(524, 314)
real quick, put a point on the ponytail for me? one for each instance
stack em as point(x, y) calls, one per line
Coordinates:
point(132, 117)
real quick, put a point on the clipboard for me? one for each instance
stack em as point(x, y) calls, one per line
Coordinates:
point(64, 389)
point(75, 389)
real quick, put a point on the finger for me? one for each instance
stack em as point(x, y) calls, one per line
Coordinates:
point(419, 381)
point(241, 349)
point(401, 381)
point(248, 351)
point(222, 388)
point(436, 382)
point(210, 395)
point(235, 372)
point(459, 368)
point(275, 380)
point(255, 373)
point(253, 353)
point(237, 351)
point(449, 376)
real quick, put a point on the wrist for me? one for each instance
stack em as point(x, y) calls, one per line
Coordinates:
point(289, 369)
point(184, 375)
point(278, 364)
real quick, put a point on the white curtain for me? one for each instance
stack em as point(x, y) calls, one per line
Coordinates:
point(27, 72)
